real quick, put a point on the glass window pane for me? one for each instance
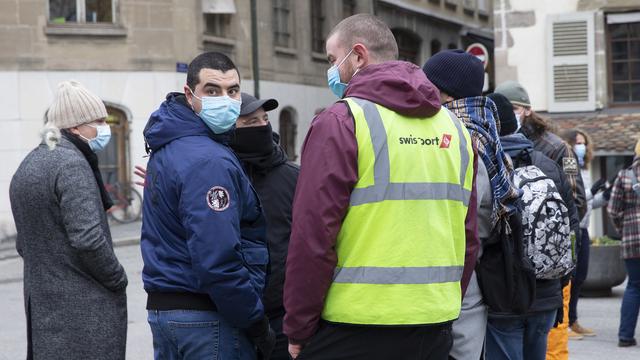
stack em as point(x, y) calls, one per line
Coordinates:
point(635, 92)
point(618, 31)
point(621, 92)
point(634, 50)
point(62, 11)
point(634, 30)
point(99, 11)
point(619, 50)
point(620, 71)
point(635, 70)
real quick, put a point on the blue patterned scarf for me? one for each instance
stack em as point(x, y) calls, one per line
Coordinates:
point(479, 115)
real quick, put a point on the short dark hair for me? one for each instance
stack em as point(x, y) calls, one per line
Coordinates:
point(209, 60)
point(371, 32)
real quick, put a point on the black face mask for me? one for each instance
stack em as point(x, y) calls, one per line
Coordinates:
point(254, 140)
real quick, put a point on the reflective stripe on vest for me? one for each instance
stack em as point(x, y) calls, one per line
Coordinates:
point(398, 275)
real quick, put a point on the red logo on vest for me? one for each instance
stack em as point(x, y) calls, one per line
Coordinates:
point(446, 141)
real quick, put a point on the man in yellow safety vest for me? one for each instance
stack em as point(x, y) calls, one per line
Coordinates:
point(384, 235)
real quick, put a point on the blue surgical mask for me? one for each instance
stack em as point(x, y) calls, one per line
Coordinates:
point(581, 151)
point(219, 113)
point(518, 121)
point(336, 86)
point(102, 138)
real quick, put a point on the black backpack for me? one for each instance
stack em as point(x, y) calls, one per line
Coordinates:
point(505, 274)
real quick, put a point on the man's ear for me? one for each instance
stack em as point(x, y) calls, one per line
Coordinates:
point(74, 130)
point(188, 94)
point(362, 55)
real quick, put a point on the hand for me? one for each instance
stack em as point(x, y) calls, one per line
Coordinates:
point(263, 337)
point(294, 350)
point(598, 185)
point(141, 172)
point(559, 317)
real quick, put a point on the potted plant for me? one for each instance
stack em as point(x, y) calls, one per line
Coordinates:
point(606, 268)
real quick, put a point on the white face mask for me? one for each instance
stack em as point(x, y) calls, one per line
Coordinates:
point(517, 120)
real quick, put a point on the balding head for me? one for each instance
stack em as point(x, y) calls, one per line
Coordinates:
point(369, 31)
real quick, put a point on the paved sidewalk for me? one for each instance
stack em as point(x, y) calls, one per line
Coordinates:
point(602, 314)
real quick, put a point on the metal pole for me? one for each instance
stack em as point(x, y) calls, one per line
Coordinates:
point(254, 49)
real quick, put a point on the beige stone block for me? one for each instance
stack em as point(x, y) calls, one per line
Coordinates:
point(8, 12)
point(29, 11)
point(15, 42)
point(161, 18)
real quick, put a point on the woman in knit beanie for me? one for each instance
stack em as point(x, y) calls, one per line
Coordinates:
point(74, 286)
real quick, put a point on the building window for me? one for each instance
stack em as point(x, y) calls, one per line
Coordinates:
point(348, 8)
point(317, 26)
point(82, 11)
point(288, 133)
point(282, 23)
point(436, 46)
point(624, 62)
point(217, 24)
point(408, 45)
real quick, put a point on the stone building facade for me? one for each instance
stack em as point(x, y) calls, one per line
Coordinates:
point(133, 52)
point(580, 62)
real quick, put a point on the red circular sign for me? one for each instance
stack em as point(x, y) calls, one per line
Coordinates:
point(480, 52)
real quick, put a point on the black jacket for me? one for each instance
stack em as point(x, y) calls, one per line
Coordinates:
point(274, 179)
point(520, 149)
point(559, 151)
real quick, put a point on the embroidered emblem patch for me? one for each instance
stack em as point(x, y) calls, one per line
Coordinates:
point(218, 198)
point(570, 165)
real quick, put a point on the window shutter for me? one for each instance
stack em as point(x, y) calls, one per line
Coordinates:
point(571, 62)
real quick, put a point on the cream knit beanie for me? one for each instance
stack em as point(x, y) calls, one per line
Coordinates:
point(74, 105)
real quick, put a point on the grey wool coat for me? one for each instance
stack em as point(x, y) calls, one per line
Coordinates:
point(74, 286)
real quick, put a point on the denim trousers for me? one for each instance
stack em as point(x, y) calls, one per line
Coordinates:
point(194, 334)
point(519, 338)
point(630, 301)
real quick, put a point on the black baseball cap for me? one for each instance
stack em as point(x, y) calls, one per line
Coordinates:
point(251, 104)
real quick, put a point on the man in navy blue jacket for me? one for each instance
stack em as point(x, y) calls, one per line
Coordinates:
point(203, 232)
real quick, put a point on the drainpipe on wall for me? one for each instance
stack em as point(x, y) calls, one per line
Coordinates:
point(254, 50)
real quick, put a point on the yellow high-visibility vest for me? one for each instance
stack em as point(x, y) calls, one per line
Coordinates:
point(401, 246)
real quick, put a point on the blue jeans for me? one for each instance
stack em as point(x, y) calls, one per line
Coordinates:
point(193, 334)
point(630, 301)
point(519, 338)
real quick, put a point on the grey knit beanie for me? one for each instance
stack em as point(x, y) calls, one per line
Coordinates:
point(74, 105)
point(513, 91)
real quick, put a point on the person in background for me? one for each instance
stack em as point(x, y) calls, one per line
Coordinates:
point(624, 211)
point(517, 337)
point(384, 210)
point(597, 196)
point(203, 229)
point(74, 286)
point(274, 178)
point(539, 131)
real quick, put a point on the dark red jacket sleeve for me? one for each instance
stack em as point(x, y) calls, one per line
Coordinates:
point(328, 174)
point(471, 230)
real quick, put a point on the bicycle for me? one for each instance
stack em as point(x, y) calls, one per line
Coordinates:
point(127, 202)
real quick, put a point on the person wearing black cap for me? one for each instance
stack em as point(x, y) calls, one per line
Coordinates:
point(274, 179)
point(536, 324)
